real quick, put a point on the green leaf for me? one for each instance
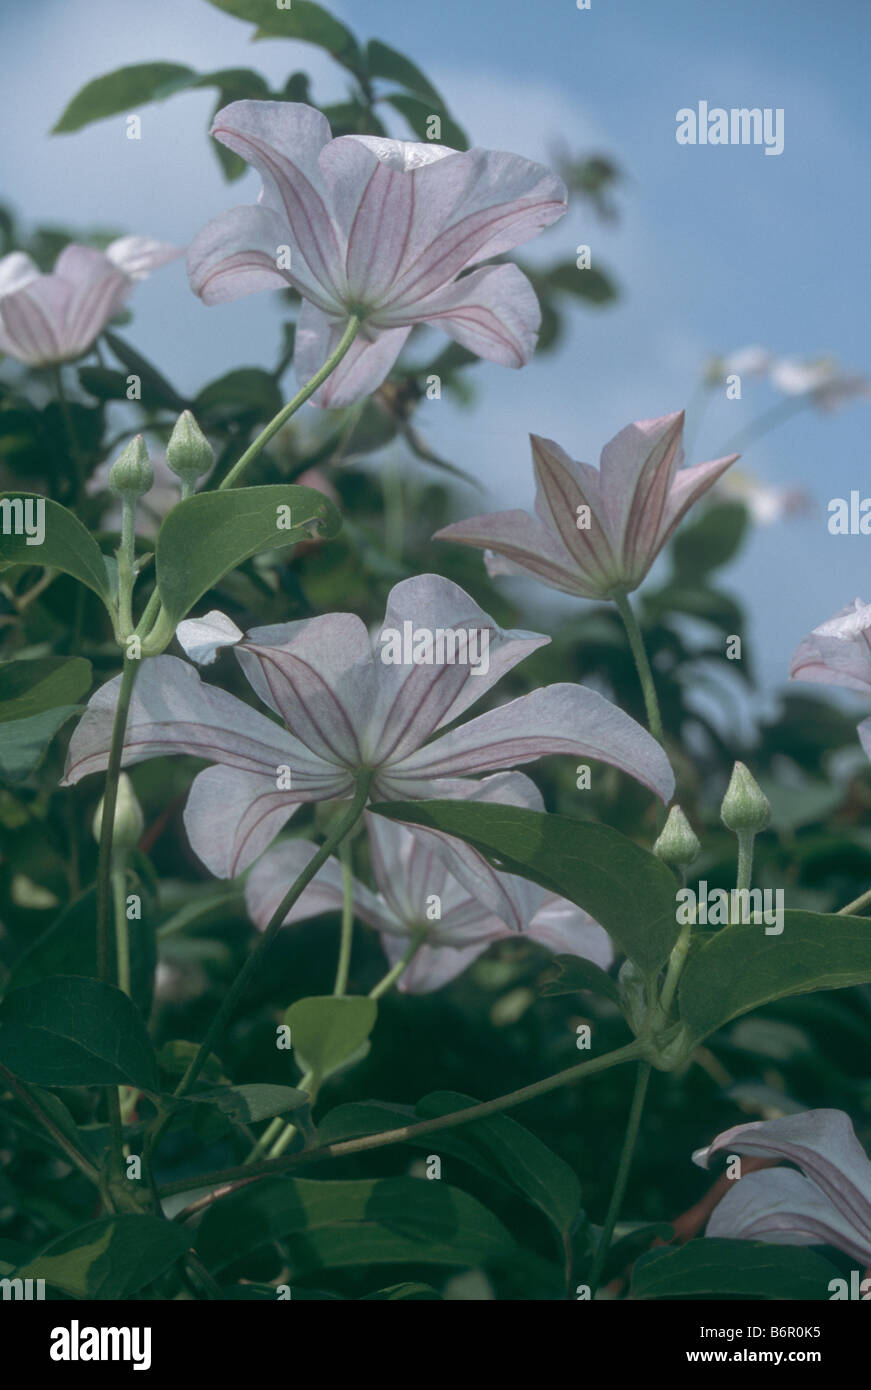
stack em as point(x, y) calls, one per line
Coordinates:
point(627, 890)
point(496, 1145)
point(418, 1292)
point(112, 1258)
point(418, 114)
point(713, 1268)
point(69, 947)
point(66, 545)
point(248, 389)
point(211, 533)
point(740, 968)
point(591, 284)
point(383, 61)
point(337, 1225)
point(123, 90)
point(72, 1031)
point(711, 541)
point(36, 698)
point(499, 1145)
point(252, 1101)
point(326, 1032)
point(302, 20)
point(574, 974)
point(156, 390)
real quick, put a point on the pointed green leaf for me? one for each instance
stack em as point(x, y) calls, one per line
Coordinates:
point(741, 968)
point(383, 61)
point(112, 1258)
point(206, 536)
point(65, 545)
point(36, 698)
point(418, 115)
point(335, 1225)
point(123, 90)
point(301, 20)
point(712, 1268)
point(69, 1030)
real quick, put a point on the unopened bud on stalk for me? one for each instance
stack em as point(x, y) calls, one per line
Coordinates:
point(131, 475)
point(188, 453)
point(678, 845)
point(129, 820)
point(745, 805)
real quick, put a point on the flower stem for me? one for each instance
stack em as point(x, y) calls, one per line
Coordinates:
point(856, 905)
point(107, 828)
point(630, 1053)
point(745, 858)
point(122, 931)
point(346, 939)
point(216, 1028)
point(78, 463)
point(645, 675)
point(641, 1079)
point(125, 557)
point(398, 969)
point(352, 328)
point(764, 423)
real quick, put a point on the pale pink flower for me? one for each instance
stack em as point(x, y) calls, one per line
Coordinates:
point(596, 532)
point(349, 705)
point(838, 652)
point(379, 228)
point(826, 384)
point(46, 319)
point(412, 869)
point(827, 1203)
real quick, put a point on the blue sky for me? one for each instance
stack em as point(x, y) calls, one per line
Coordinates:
point(717, 248)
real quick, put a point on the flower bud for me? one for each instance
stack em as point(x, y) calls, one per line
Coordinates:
point(745, 806)
point(129, 820)
point(188, 453)
point(678, 845)
point(131, 474)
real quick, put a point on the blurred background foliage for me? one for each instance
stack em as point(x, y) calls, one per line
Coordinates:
point(492, 1030)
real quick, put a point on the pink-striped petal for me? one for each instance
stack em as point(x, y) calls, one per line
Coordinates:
point(782, 1207)
point(232, 816)
point(269, 881)
point(492, 312)
point(457, 653)
point(237, 254)
point(517, 543)
point(432, 967)
point(838, 651)
point(569, 719)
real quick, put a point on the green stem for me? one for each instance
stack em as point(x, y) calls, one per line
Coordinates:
point(630, 1053)
point(394, 973)
point(764, 424)
point(856, 905)
point(240, 984)
point(629, 1140)
point(122, 930)
point(642, 665)
point(84, 1165)
point(125, 556)
point(346, 939)
point(351, 330)
point(289, 1130)
point(676, 963)
point(78, 462)
point(745, 858)
point(107, 828)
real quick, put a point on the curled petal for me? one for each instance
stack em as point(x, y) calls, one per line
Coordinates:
point(838, 651)
point(784, 1208)
point(137, 256)
point(283, 141)
point(823, 1144)
point(236, 254)
point(202, 638)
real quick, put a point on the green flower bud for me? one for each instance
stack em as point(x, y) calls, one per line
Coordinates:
point(131, 474)
point(745, 805)
point(188, 453)
point(678, 845)
point(129, 820)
